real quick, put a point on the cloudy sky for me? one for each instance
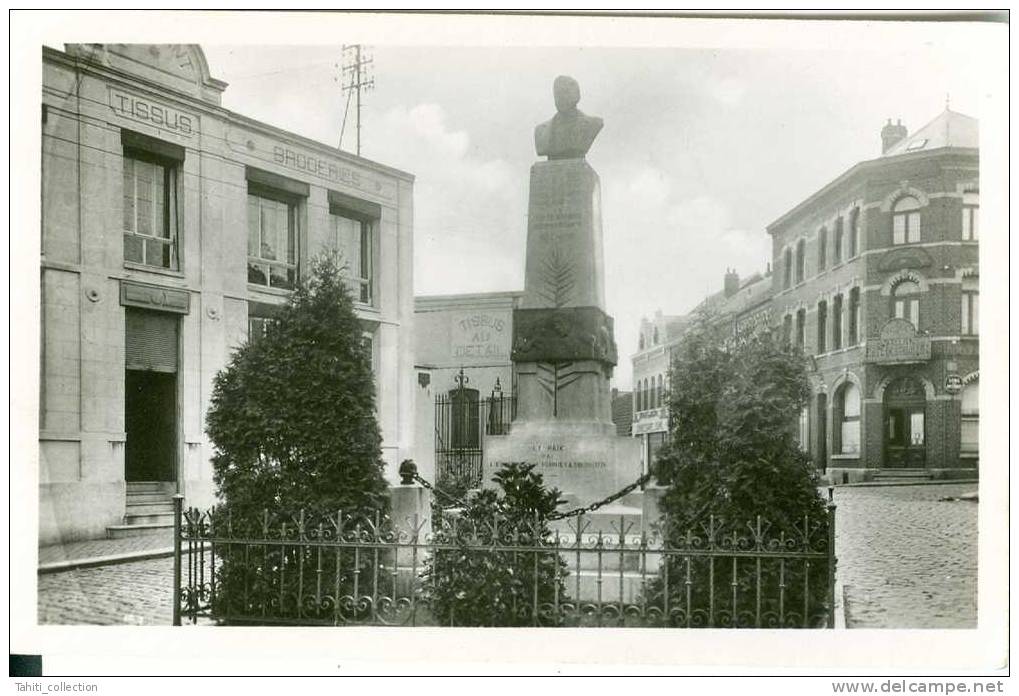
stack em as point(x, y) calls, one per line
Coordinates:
point(701, 148)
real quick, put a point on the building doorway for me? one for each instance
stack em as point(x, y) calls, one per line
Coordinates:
point(905, 436)
point(150, 398)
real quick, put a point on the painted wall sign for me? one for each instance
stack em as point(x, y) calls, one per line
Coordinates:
point(480, 336)
point(144, 110)
point(296, 159)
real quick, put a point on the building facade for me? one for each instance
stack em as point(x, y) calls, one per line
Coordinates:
point(740, 308)
point(650, 366)
point(462, 358)
point(877, 280)
point(172, 230)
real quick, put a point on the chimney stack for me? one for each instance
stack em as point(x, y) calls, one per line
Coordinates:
point(731, 282)
point(892, 135)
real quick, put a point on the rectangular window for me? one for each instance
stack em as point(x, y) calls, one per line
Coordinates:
point(970, 313)
point(150, 211)
point(916, 434)
point(837, 243)
point(801, 328)
point(822, 327)
point(854, 316)
point(850, 435)
point(787, 330)
point(272, 241)
point(908, 309)
point(353, 239)
point(970, 216)
point(804, 435)
point(836, 323)
point(906, 228)
point(854, 232)
point(822, 249)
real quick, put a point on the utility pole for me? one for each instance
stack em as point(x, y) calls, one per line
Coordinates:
point(356, 76)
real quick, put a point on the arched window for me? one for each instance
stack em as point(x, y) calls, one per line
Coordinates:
point(970, 442)
point(661, 391)
point(906, 221)
point(836, 247)
point(854, 233)
point(656, 336)
point(787, 268)
point(640, 342)
point(906, 302)
point(801, 261)
point(647, 396)
point(971, 215)
point(822, 248)
point(847, 419)
point(804, 433)
point(801, 328)
point(970, 307)
point(787, 329)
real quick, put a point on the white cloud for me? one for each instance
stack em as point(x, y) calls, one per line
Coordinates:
point(468, 212)
point(667, 251)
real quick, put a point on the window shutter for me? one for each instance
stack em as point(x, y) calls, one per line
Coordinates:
point(151, 342)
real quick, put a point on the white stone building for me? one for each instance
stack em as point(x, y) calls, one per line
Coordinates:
point(171, 229)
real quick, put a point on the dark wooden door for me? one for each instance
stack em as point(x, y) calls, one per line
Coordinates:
point(905, 427)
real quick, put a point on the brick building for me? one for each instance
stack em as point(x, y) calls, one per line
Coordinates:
point(740, 307)
point(876, 278)
point(171, 230)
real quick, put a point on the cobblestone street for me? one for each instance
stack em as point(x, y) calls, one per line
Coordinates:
point(139, 593)
point(906, 559)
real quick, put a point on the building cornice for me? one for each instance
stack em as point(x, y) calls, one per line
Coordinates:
point(183, 99)
point(866, 166)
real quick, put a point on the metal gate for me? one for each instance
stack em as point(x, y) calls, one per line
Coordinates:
point(462, 422)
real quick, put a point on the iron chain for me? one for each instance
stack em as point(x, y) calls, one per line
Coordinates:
point(555, 515)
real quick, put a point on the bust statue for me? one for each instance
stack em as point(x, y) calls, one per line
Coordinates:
point(569, 134)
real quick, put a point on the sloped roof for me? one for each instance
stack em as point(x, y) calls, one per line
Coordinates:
point(949, 129)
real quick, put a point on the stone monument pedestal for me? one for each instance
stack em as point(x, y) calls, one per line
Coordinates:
point(585, 460)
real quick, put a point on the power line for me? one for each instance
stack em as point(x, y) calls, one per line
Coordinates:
point(357, 78)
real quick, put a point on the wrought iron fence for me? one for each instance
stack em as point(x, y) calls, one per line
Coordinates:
point(591, 570)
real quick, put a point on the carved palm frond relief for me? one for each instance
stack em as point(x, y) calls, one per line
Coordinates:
point(558, 277)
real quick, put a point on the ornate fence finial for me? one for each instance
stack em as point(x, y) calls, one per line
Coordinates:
point(408, 471)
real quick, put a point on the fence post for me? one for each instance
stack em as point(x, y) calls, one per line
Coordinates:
point(178, 507)
point(831, 557)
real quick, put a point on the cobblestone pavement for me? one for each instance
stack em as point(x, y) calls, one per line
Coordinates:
point(906, 559)
point(76, 550)
point(137, 593)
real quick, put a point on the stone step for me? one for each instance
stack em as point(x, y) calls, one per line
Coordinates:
point(135, 519)
point(120, 531)
point(135, 508)
point(168, 487)
point(148, 498)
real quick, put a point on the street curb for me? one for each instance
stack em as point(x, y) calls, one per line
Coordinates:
point(881, 484)
point(112, 559)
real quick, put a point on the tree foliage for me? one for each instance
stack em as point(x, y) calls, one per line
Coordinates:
point(476, 585)
point(732, 450)
point(292, 416)
point(732, 459)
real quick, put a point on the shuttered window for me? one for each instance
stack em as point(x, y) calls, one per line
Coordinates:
point(151, 341)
